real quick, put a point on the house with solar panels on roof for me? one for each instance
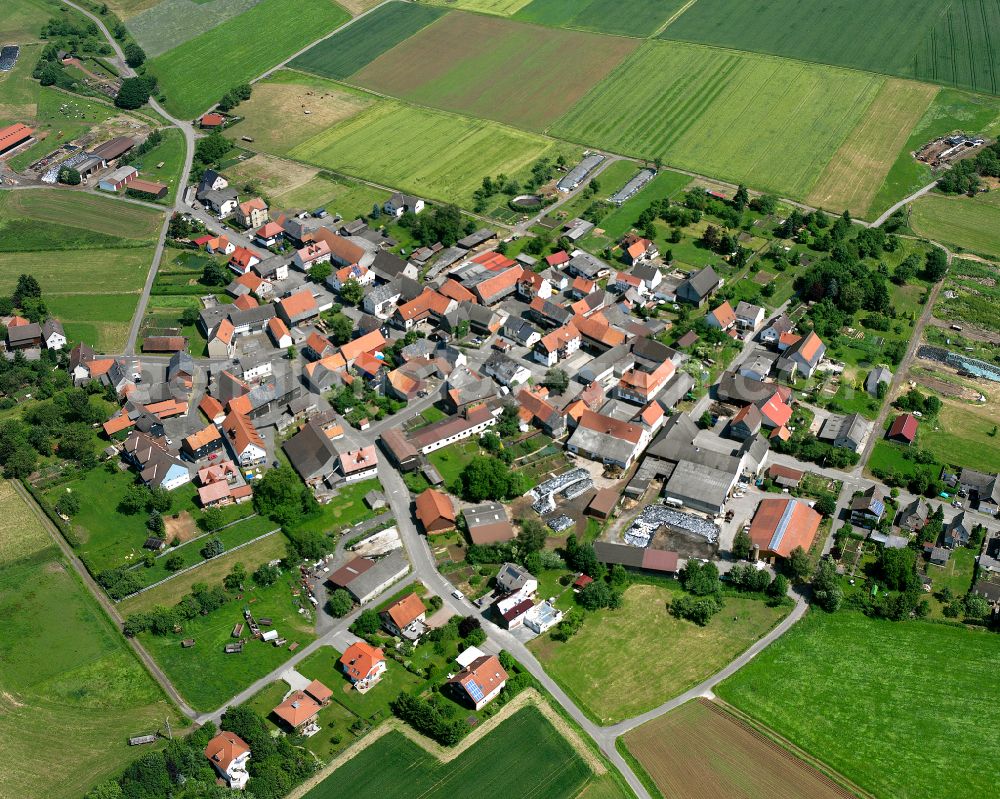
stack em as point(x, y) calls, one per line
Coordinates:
point(480, 682)
point(868, 508)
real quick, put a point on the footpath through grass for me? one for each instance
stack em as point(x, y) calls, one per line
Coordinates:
point(627, 661)
point(901, 708)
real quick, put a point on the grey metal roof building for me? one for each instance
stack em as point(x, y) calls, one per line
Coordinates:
point(639, 180)
point(577, 174)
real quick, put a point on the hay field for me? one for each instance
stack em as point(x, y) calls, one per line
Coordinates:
point(172, 22)
point(276, 176)
point(496, 69)
point(362, 42)
point(970, 223)
point(700, 750)
point(70, 683)
point(503, 8)
point(23, 535)
point(876, 35)
point(624, 17)
point(90, 211)
point(857, 694)
point(194, 75)
point(857, 170)
point(275, 116)
point(23, 19)
point(768, 122)
point(961, 50)
point(431, 153)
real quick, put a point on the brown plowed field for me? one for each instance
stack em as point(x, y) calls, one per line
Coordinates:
point(525, 75)
point(699, 751)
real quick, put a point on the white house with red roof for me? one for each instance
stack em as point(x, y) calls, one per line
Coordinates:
point(363, 664)
point(242, 260)
point(315, 252)
point(228, 754)
point(721, 318)
point(359, 464)
point(252, 213)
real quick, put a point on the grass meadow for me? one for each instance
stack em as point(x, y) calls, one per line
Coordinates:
point(900, 708)
point(623, 17)
point(170, 23)
point(771, 123)
point(962, 436)
point(91, 272)
point(968, 223)
point(858, 168)
point(169, 152)
point(596, 667)
point(432, 153)
point(524, 758)
point(197, 73)
point(495, 68)
point(359, 44)
point(18, 90)
point(23, 19)
point(699, 750)
point(70, 683)
point(204, 674)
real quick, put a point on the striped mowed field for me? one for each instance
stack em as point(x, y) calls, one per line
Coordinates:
point(494, 68)
point(769, 122)
point(857, 170)
point(432, 153)
point(969, 222)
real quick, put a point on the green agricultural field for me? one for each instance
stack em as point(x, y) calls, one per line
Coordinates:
point(961, 48)
point(875, 35)
point(950, 110)
point(80, 273)
point(665, 185)
point(596, 666)
point(18, 90)
point(856, 693)
point(503, 8)
point(768, 122)
point(968, 223)
point(624, 17)
point(204, 674)
point(23, 19)
point(453, 155)
point(524, 757)
point(196, 74)
point(359, 44)
point(70, 682)
point(495, 68)
point(337, 195)
point(172, 22)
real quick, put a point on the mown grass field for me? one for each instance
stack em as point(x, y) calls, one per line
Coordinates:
point(771, 123)
point(18, 90)
point(625, 17)
point(863, 696)
point(876, 35)
point(970, 223)
point(524, 757)
point(596, 667)
point(962, 437)
point(207, 677)
point(197, 73)
point(432, 153)
point(70, 683)
point(275, 116)
point(170, 23)
point(23, 19)
point(859, 167)
point(697, 751)
point(495, 68)
point(90, 211)
point(950, 110)
point(344, 197)
point(359, 44)
point(961, 48)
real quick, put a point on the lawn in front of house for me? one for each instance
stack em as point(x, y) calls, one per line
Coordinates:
point(900, 708)
point(345, 509)
point(598, 667)
point(450, 460)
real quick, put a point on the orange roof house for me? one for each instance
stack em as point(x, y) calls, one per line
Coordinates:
point(723, 317)
point(435, 511)
point(775, 412)
point(298, 307)
point(363, 664)
point(203, 442)
point(370, 342)
point(481, 681)
point(298, 710)
point(342, 251)
point(212, 408)
point(228, 753)
point(497, 287)
point(400, 615)
point(643, 386)
point(245, 302)
point(454, 290)
point(242, 259)
point(211, 120)
point(781, 525)
point(13, 135)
